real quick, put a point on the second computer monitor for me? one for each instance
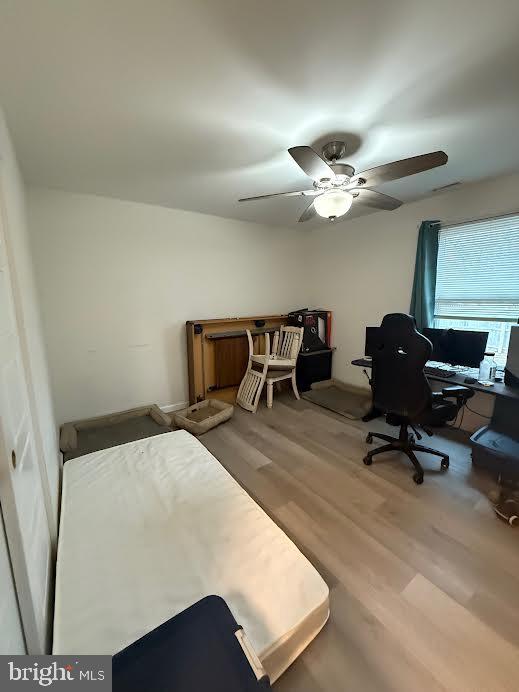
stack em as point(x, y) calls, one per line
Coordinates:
point(457, 346)
point(373, 341)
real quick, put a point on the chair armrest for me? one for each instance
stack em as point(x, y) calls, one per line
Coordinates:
point(457, 391)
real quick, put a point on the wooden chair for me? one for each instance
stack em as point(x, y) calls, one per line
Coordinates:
point(282, 364)
point(251, 386)
point(275, 367)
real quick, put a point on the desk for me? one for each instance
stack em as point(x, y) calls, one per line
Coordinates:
point(500, 390)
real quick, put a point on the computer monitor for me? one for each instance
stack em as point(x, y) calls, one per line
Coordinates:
point(438, 339)
point(372, 342)
point(457, 346)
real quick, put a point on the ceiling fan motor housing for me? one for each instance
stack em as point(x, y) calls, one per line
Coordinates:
point(334, 151)
point(342, 169)
point(343, 174)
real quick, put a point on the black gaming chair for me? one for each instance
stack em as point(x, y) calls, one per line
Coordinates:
point(401, 390)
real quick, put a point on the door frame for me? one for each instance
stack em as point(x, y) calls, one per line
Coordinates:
point(52, 517)
point(10, 577)
point(19, 567)
point(31, 613)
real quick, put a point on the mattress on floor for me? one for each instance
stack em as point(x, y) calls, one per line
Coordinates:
point(149, 528)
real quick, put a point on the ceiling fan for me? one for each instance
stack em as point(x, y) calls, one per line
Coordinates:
point(336, 185)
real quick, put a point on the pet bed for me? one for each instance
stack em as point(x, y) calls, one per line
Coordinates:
point(151, 527)
point(201, 417)
point(92, 434)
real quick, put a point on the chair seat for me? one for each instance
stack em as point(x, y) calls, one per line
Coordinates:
point(441, 411)
point(274, 363)
point(276, 375)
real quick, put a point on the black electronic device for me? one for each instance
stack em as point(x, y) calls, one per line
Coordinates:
point(457, 346)
point(373, 341)
point(453, 346)
point(438, 339)
point(438, 372)
point(512, 361)
point(314, 366)
point(316, 328)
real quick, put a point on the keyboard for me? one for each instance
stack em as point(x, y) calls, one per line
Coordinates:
point(439, 372)
point(433, 370)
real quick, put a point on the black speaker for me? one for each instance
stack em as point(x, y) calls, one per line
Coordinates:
point(316, 328)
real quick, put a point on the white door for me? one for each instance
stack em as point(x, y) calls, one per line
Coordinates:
point(21, 489)
point(11, 632)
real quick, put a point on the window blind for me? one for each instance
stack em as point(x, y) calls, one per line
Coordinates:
point(478, 270)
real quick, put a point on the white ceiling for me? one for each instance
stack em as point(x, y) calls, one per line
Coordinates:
point(193, 103)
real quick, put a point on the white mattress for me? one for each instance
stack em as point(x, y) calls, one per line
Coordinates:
point(149, 528)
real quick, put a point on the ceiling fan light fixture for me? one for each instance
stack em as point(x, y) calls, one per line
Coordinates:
point(336, 184)
point(332, 204)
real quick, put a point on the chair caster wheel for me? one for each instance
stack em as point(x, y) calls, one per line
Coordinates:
point(368, 461)
point(418, 478)
point(369, 438)
point(445, 463)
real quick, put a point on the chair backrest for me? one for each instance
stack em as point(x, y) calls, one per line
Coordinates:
point(252, 383)
point(288, 343)
point(399, 383)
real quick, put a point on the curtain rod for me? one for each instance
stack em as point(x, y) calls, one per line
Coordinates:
point(463, 222)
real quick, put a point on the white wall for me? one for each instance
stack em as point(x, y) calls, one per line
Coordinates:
point(28, 318)
point(118, 280)
point(364, 267)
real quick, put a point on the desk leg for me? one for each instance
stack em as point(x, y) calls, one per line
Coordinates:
point(372, 414)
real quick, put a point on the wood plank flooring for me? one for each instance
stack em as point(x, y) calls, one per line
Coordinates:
point(424, 580)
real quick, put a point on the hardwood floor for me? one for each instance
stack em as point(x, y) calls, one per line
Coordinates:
point(424, 580)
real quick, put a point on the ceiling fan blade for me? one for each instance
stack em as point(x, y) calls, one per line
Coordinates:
point(401, 169)
point(308, 213)
point(372, 198)
point(294, 193)
point(312, 164)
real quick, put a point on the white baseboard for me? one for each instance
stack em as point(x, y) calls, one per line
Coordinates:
point(174, 407)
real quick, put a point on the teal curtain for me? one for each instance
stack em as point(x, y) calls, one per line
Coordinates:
point(424, 285)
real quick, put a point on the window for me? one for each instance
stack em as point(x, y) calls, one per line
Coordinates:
point(477, 283)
